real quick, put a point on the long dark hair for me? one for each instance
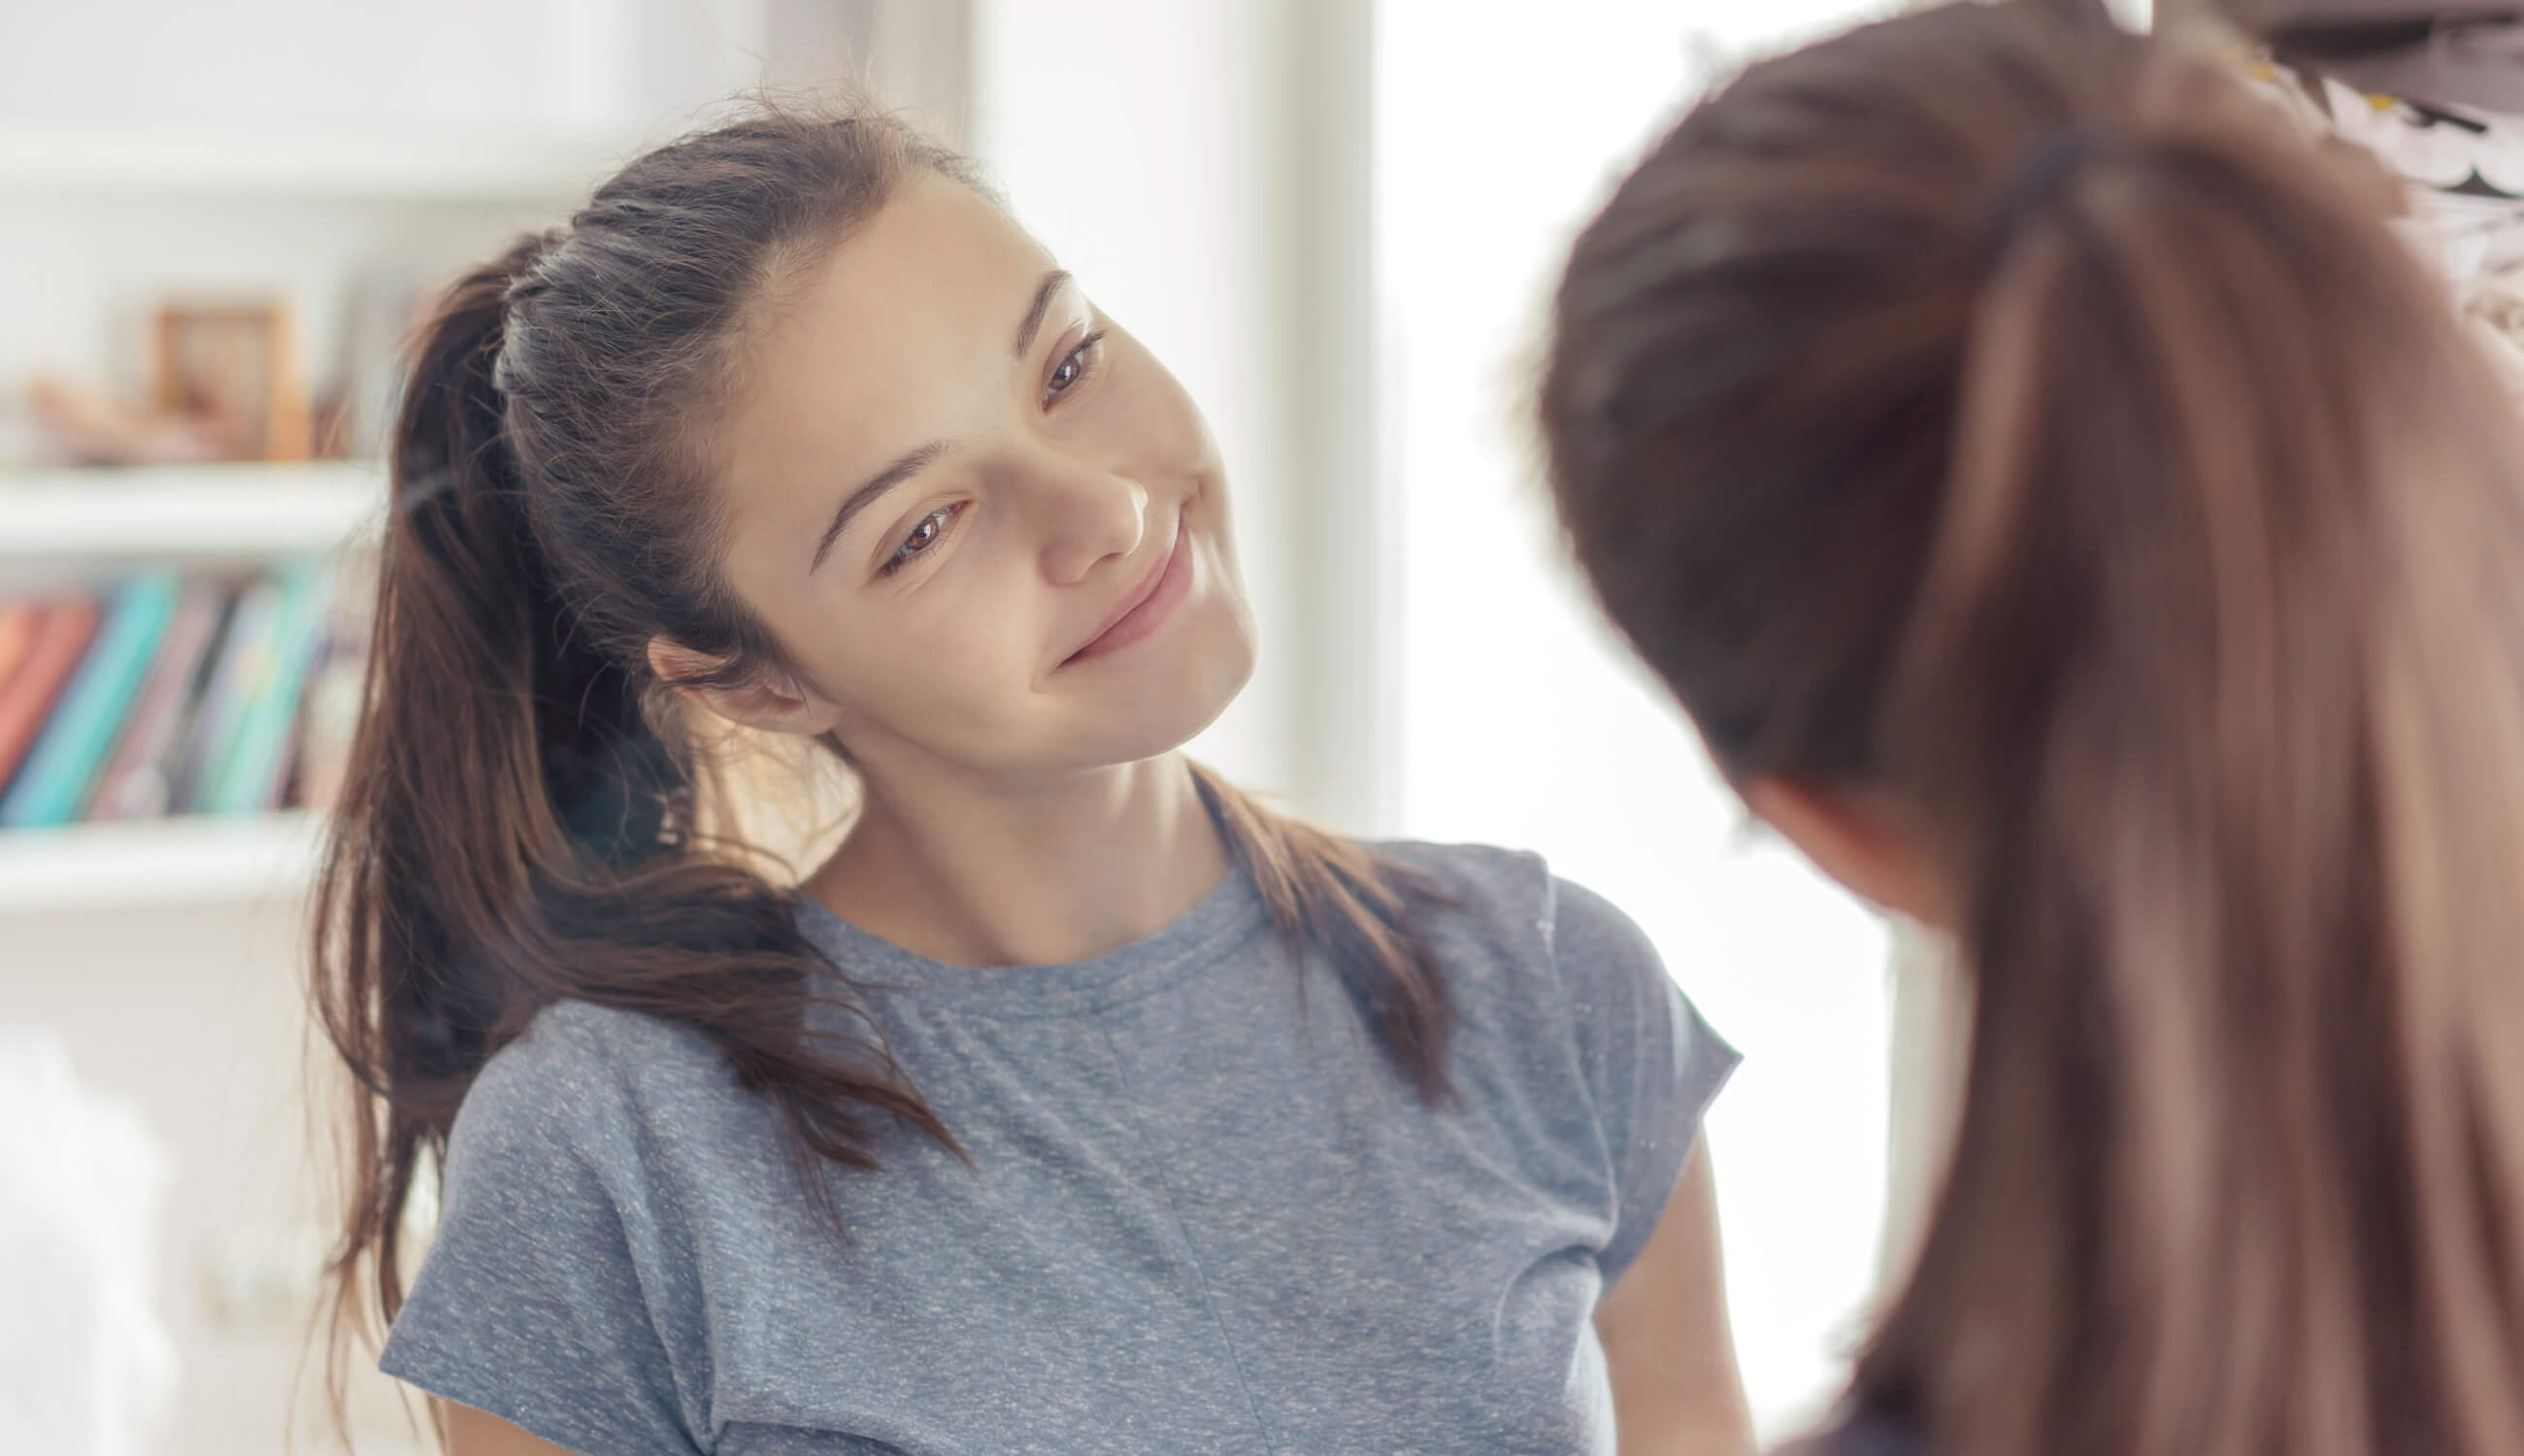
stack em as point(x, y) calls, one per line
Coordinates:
point(2010, 416)
point(523, 819)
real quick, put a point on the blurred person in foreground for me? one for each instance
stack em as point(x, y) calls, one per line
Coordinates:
point(2074, 519)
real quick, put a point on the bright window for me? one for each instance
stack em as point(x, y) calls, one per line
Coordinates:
point(1499, 128)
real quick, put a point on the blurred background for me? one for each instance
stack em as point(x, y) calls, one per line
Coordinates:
point(1336, 219)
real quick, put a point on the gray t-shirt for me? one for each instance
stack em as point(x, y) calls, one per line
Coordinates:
point(1209, 1215)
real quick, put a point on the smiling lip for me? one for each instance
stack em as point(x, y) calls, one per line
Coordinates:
point(1145, 609)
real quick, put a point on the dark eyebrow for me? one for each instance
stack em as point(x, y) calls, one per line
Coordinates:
point(1044, 294)
point(919, 460)
point(877, 485)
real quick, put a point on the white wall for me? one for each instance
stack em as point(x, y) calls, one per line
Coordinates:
point(192, 1017)
point(484, 67)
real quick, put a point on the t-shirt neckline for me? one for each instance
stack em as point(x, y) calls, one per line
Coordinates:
point(1231, 913)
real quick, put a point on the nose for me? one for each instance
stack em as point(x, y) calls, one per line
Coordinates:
point(1089, 514)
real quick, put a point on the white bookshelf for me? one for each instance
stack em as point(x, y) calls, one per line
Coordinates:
point(304, 163)
point(187, 512)
point(72, 528)
point(156, 863)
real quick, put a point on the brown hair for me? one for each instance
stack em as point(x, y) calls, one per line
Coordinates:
point(522, 820)
point(2008, 416)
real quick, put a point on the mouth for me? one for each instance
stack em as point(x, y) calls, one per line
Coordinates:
point(1148, 604)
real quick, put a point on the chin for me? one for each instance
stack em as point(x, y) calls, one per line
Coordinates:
point(1161, 709)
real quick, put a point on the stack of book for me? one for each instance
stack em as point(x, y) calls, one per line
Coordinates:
point(174, 695)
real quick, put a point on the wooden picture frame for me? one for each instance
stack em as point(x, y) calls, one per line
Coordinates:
point(232, 367)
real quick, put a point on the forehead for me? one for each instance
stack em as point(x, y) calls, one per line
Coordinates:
point(872, 347)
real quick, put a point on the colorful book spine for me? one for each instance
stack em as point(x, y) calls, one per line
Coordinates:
point(223, 701)
point(62, 634)
point(17, 634)
point(135, 781)
point(256, 754)
point(80, 733)
point(328, 711)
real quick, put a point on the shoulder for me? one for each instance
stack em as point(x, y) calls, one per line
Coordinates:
point(1539, 958)
point(580, 1080)
point(559, 1289)
point(1527, 955)
point(1510, 899)
point(1473, 870)
point(1482, 889)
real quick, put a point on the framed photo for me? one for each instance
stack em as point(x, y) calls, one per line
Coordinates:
point(232, 368)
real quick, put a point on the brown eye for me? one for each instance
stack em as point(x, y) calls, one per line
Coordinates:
point(923, 536)
point(1074, 367)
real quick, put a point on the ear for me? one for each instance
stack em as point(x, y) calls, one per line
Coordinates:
point(1860, 840)
point(771, 705)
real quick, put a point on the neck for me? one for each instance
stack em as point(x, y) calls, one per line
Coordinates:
point(1037, 874)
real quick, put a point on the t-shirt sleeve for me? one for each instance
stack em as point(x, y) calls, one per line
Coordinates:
point(529, 1304)
point(1652, 1063)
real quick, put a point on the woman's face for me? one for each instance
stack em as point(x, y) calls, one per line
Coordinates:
point(990, 529)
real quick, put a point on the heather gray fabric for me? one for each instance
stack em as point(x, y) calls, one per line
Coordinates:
point(1208, 1215)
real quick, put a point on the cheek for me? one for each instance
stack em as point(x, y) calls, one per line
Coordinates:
point(1160, 427)
point(936, 674)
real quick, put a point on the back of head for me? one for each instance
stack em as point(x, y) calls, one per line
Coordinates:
point(2003, 414)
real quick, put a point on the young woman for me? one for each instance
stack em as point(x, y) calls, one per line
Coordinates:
point(1076, 1103)
point(2075, 518)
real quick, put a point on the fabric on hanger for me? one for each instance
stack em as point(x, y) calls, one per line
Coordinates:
point(2462, 173)
point(2428, 51)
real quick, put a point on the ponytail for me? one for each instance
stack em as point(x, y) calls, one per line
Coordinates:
point(514, 830)
point(2212, 665)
